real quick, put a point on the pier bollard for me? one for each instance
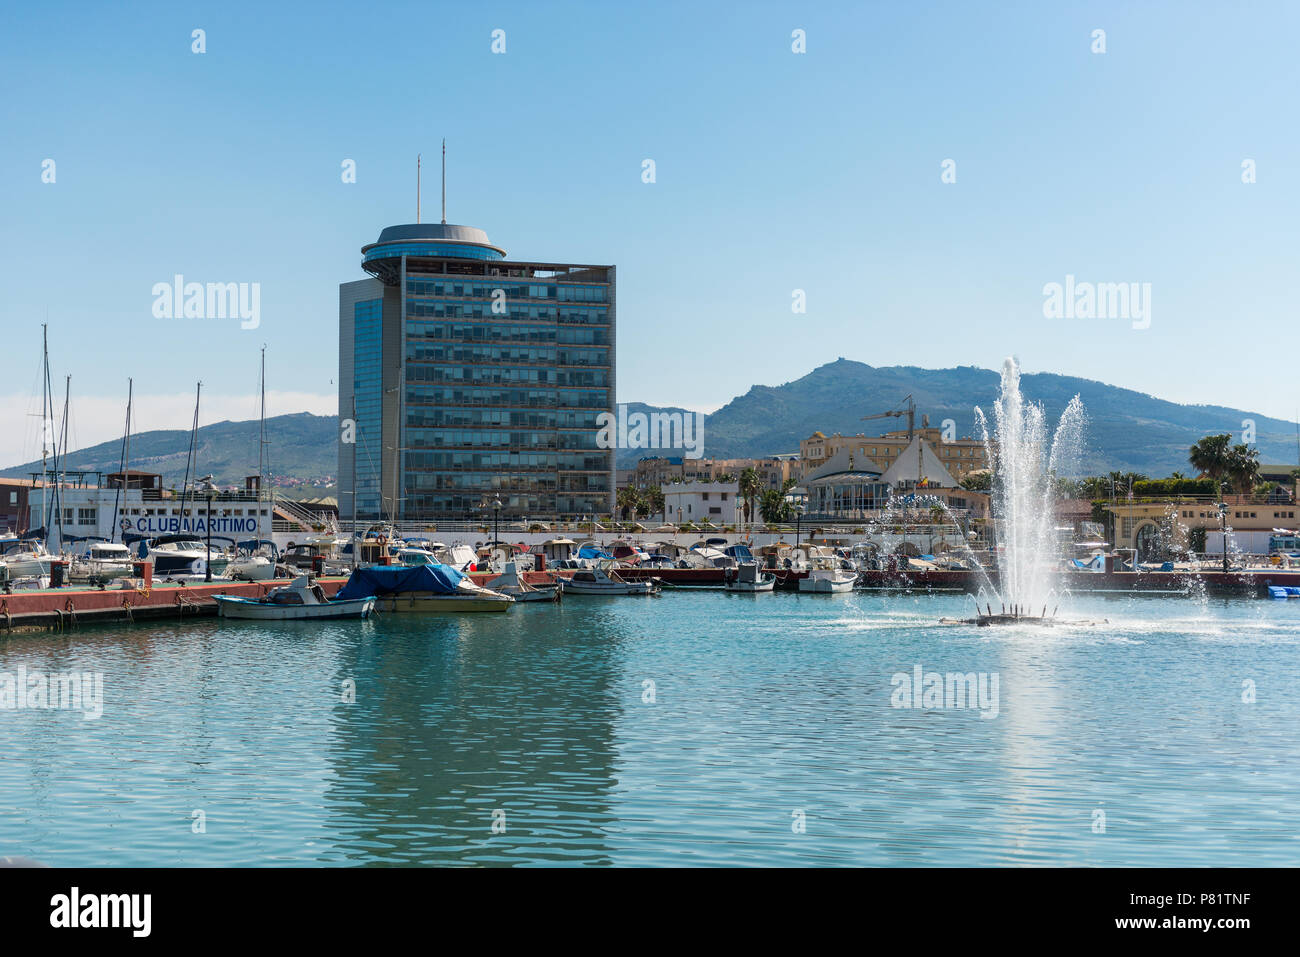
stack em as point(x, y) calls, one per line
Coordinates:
point(143, 569)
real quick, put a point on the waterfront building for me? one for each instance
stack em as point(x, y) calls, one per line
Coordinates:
point(1161, 528)
point(715, 502)
point(850, 487)
point(88, 504)
point(14, 495)
point(958, 457)
point(475, 378)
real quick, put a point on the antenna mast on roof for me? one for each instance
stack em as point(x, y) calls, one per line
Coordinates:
point(417, 187)
point(444, 181)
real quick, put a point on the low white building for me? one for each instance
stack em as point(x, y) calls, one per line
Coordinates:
point(717, 502)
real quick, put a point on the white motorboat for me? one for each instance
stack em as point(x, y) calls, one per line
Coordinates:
point(26, 559)
point(750, 577)
point(300, 600)
point(254, 561)
point(828, 578)
point(178, 556)
point(101, 562)
point(603, 580)
point(509, 583)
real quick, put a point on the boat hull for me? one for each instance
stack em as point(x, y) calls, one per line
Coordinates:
point(229, 606)
point(823, 586)
point(614, 588)
point(418, 604)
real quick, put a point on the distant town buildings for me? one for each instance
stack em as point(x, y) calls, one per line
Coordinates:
point(773, 471)
point(958, 457)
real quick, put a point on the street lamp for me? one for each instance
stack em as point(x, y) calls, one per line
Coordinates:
point(496, 521)
point(1223, 524)
point(208, 488)
point(798, 519)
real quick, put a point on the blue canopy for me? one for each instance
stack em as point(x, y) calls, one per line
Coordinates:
point(740, 553)
point(591, 551)
point(384, 580)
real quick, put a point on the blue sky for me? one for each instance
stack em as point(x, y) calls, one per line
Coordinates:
point(775, 172)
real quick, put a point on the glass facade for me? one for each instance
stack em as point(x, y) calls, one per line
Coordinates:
point(504, 379)
point(477, 378)
point(367, 386)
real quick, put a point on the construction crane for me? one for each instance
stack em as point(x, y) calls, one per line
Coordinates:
point(908, 408)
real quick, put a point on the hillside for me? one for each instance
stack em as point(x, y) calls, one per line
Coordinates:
point(300, 445)
point(1127, 430)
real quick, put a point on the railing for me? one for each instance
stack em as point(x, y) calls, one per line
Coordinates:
point(307, 519)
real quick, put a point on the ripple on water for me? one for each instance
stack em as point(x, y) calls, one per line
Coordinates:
point(692, 729)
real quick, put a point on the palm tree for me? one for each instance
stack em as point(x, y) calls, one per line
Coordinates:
point(1211, 456)
point(773, 507)
point(1243, 468)
point(652, 501)
point(751, 486)
point(629, 500)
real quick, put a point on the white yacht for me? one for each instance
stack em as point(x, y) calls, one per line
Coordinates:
point(604, 580)
point(26, 559)
point(827, 577)
point(101, 562)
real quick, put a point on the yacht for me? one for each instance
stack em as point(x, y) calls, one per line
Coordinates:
point(101, 562)
point(255, 561)
point(604, 580)
point(180, 555)
point(26, 559)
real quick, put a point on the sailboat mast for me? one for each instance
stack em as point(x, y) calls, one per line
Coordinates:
point(189, 460)
point(45, 425)
point(125, 485)
point(63, 443)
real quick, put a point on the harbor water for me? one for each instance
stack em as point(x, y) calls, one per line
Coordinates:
point(695, 728)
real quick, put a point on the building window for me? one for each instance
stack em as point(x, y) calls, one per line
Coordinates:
point(87, 516)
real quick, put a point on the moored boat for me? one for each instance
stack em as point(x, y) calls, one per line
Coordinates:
point(422, 589)
point(604, 580)
point(827, 578)
point(749, 577)
point(509, 583)
point(300, 600)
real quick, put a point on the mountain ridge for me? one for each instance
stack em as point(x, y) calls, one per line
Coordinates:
point(1127, 430)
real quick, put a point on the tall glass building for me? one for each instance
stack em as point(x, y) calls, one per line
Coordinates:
point(474, 378)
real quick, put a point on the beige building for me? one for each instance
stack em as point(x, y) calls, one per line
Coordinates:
point(958, 456)
point(1149, 526)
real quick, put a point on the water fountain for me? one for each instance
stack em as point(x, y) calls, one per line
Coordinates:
point(1026, 463)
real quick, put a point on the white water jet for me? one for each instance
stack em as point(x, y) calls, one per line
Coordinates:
point(1026, 465)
